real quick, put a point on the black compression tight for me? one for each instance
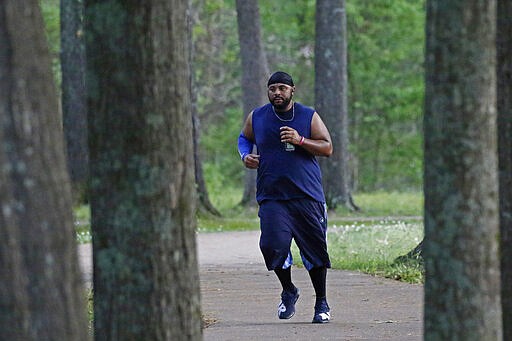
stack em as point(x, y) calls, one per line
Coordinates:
point(318, 278)
point(285, 277)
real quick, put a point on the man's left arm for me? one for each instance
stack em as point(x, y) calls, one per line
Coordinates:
point(318, 144)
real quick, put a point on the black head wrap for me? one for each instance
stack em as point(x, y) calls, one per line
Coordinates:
point(280, 77)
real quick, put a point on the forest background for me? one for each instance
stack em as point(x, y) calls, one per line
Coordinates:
point(385, 76)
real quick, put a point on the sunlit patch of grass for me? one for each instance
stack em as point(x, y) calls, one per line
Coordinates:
point(411, 271)
point(82, 223)
point(373, 246)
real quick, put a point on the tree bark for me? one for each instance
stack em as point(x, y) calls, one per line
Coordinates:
point(146, 277)
point(416, 253)
point(462, 286)
point(74, 112)
point(331, 98)
point(504, 75)
point(41, 293)
point(254, 75)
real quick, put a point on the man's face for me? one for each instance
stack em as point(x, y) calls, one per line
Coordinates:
point(280, 95)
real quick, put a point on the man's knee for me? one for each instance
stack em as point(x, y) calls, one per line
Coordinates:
point(274, 258)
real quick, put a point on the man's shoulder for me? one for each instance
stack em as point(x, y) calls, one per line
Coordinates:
point(261, 109)
point(305, 108)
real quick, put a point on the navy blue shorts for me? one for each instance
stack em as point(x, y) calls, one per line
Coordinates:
point(305, 221)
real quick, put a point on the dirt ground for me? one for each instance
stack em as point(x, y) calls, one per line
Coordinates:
point(240, 298)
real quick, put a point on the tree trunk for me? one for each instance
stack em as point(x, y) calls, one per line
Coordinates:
point(254, 75)
point(41, 294)
point(462, 286)
point(74, 111)
point(416, 253)
point(331, 97)
point(203, 200)
point(146, 277)
point(504, 69)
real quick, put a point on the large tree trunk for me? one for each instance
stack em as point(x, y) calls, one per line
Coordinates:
point(504, 69)
point(74, 112)
point(146, 279)
point(331, 97)
point(41, 294)
point(462, 286)
point(254, 75)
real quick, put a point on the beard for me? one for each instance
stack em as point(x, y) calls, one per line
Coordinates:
point(282, 105)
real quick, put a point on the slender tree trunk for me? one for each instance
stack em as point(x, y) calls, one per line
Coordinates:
point(254, 75)
point(74, 112)
point(203, 200)
point(462, 286)
point(146, 277)
point(41, 294)
point(504, 69)
point(331, 97)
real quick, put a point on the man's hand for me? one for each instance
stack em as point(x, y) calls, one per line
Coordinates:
point(290, 135)
point(319, 143)
point(252, 161)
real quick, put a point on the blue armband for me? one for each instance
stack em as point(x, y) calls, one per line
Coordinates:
point(244, 146)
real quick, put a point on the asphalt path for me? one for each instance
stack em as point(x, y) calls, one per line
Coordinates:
point(240, 298)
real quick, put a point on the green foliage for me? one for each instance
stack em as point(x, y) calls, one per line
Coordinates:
point(223, 167)
point(385, 65)
point(216, 62)
point(51, 16)
point(386, 47)
point(288, 32)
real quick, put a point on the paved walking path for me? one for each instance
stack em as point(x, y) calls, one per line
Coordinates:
point(240, 298)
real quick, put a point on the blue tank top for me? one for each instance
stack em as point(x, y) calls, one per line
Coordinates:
point(282, 174)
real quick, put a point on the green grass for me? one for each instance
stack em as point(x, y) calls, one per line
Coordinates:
point(389, 225)
point(82, 222)
point(373, 246)
point(234, 217)
point(386, 204)
point(218, 224)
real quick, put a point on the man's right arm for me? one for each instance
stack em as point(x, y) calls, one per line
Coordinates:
point(245, 145)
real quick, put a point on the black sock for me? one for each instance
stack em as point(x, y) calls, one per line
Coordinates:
point(318, 278)
point(285, 277)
